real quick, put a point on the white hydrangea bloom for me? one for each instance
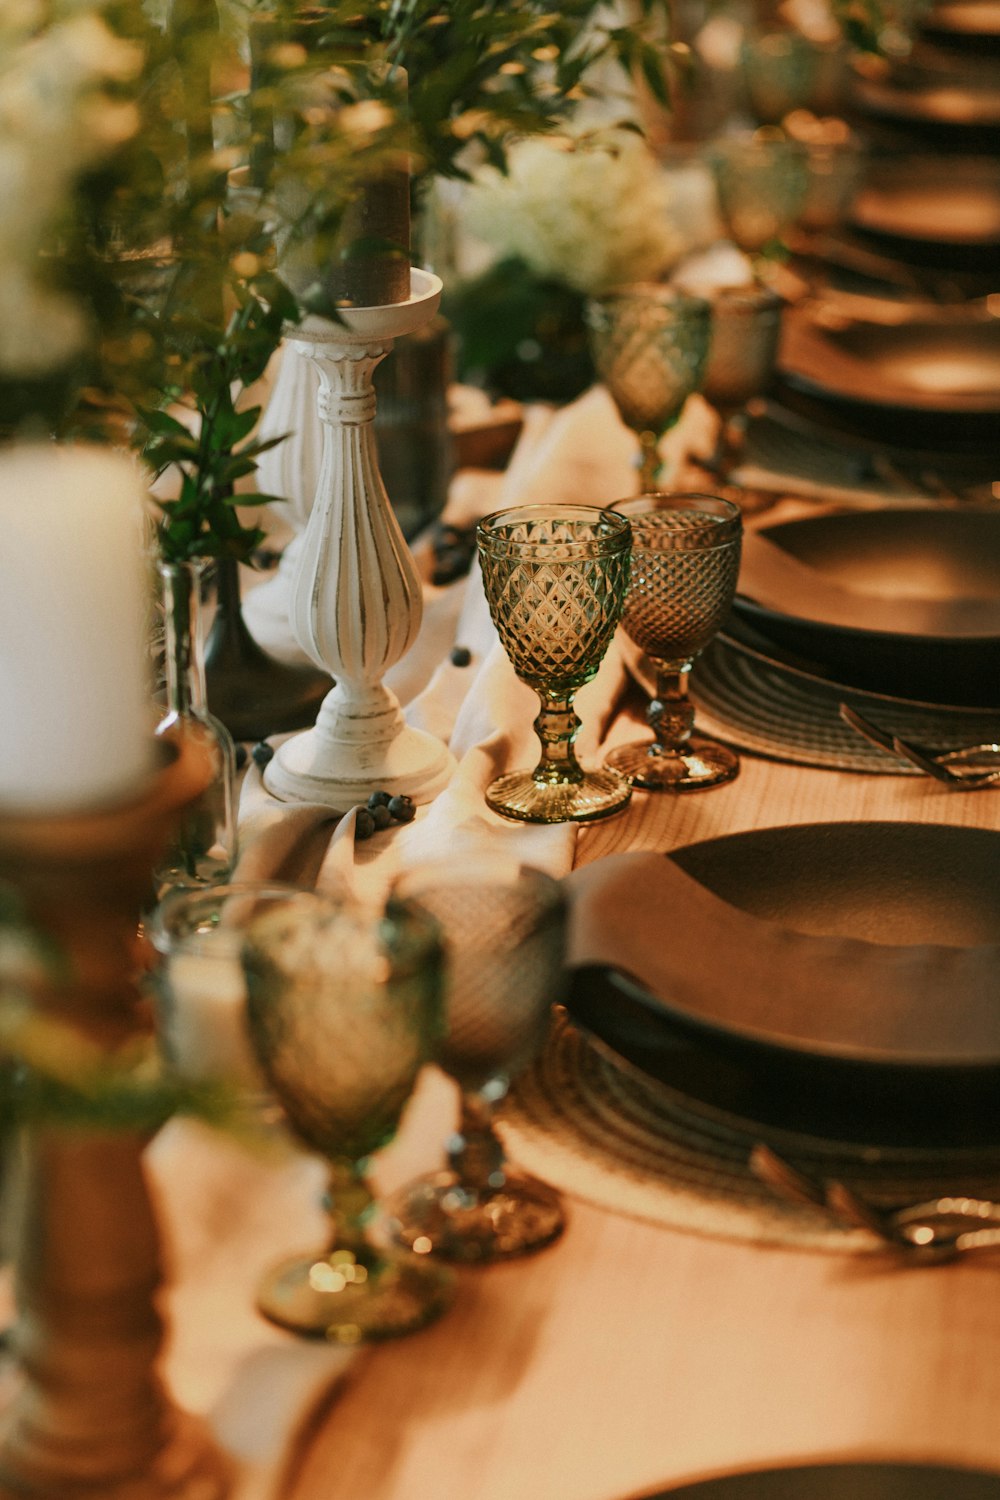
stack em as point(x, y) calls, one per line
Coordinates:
point(590, 215)
point(55, 121)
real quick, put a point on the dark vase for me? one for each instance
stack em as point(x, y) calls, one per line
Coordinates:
point(415, 451)
point(251, 692)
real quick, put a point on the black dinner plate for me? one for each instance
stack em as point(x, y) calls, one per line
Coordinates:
point(933, 554)
point(933, 380)
point(943, 212)
point(887, 883)
point(948, 92)
point(968, 25)
point(846, 1481)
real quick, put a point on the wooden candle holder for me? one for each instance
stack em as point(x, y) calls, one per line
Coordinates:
point(90, 1416)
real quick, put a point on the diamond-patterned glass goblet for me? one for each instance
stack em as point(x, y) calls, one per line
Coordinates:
point(555, 579)
point(685, 561)
point(761, 183)
point(746, 326)
point(344, 1009)
point(650, 344)
point(504, 940)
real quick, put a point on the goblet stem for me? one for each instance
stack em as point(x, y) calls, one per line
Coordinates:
point(477, 1211)
point(650, 462)
point(475, 1154)
point(350, 1204)
point(557, 727)
point(671, 712)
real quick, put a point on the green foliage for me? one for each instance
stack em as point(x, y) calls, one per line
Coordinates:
point(51, 1072)
point(520, 335)
point(485, 72)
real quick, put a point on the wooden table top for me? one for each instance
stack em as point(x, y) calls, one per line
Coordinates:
point(628, 1356)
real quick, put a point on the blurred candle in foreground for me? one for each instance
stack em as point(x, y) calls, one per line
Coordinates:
point(75, 728)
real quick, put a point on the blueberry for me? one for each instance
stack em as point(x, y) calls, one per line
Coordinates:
point(461, 656)
point(262, 753)
point(378, 799)
point(364, 824)
point(402, 809)
point(241, 757)
point(381, 816)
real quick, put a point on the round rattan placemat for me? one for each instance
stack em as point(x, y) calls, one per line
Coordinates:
point(602, 1133)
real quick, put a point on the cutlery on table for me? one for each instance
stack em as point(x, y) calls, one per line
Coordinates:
point(967, 768)
point(927, 1233)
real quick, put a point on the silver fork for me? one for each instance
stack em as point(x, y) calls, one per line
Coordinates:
point(962, 768)
point(928, 1233)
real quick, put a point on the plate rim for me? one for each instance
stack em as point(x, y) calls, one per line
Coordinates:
point(861, 632)
point(801, 325)
point(913, 1066)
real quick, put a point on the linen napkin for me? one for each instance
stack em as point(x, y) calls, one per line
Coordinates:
point(642, 913)
point(776, 579)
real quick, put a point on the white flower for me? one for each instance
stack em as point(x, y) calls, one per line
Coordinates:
point(56, 120)
point(592, 215)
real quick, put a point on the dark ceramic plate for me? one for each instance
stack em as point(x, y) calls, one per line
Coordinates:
point(969, 25)
point(887, 883)
point(938, 90)
point(935, 380)
point(944, 212)
point(879, 1481)
point(933, 554)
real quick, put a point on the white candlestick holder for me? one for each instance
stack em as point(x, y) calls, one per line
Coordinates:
point(356, 601)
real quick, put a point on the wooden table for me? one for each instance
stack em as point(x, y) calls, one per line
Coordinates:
point(629, 1357)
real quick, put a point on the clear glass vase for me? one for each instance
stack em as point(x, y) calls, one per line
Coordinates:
point(204, 849)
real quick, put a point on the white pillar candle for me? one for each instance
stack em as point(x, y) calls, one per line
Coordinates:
point(75, 724)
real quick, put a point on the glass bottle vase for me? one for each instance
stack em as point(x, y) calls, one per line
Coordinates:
point(204, 850)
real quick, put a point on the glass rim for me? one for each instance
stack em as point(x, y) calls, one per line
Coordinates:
point(163, 935)
point(662, 294)
point(727, 511)
point(730, 148)
point(491, 539)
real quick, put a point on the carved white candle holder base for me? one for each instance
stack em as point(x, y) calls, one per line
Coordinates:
point(356, 596)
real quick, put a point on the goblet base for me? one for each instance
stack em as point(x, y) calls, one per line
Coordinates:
point(333, 1297)
point(436, 1215)
point(518, 795)
point(700, 765)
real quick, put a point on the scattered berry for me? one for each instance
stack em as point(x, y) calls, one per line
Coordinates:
point(378, 799)
point(381, 816)
point(402, 809)
point(262, 753)
point(241, 757)
point(364, 824)
point(461, 656)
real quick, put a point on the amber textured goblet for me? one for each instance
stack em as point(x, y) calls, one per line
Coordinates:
point(555, 579)
point(344, 1008)
point(503, 928)
point(746, 327)
point(685, 561)
point(650, 344)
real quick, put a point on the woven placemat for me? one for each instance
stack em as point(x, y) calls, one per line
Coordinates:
point(605, 1135)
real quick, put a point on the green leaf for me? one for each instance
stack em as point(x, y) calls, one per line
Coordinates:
point(242, 499)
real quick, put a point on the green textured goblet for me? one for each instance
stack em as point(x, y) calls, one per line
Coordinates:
point(761, 182)
point(556, 578)
point(650, 344)
point(685, 562)
point(344, 1009)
